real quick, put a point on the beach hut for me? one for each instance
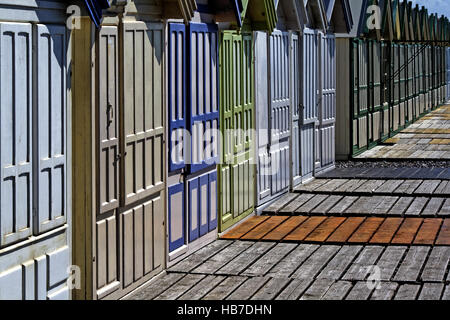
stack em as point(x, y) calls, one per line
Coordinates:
point(120, 150)
point(237, 110)
point(193, 125)
point(277, 101)
point(35, 149)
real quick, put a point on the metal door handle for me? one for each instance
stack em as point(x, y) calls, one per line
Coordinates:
point(110, 112)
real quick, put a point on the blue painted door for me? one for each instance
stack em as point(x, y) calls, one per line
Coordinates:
point(193, 124)
point(203, 102)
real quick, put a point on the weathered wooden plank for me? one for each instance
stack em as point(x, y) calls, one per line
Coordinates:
point(389, 186)
point(155, 288)
point(431, 291)
point(342, 205)
point(338, 290)
point(176, 290)
point(400, 206)
point(311, 186)
point(340, 262)
point(370, 186)
point(386, 231)
point(316, 262)
point(331, 185)
point(444, 234)
point(317, 290)
point(302, 231)
point(364, 205)
point(200, 256)
point(296, 203)
point(412, 264)
point(225, 288)
point(266, 262)
point(407, 292)
point(245, 259)
point(385, 205)
point(351, 185)
point(326, 205)
point(446, 294)
point(445, 210)
point(416, 206)
point(202, 288)
point(366, 230)
point(284, 229)
point(433, 207)
point(360, 291)
point(323, 231)
point(287, 266)
point(294, 289)
point(244, 227)
point(385, 291)
point(281, 203)
point(345, 230)
point(264, 228)
point(389, 261)
point(248, 288)
point(311, 204)
point(408, 187)
point(407, 231)
point(443, 188)
point(436, 265)
point(271, 289)
point(219, 260)
point(360, 268)
point(427, 187)
point(428, 231)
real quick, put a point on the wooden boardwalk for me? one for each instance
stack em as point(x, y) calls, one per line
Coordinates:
point(428, 138)
point(244, 270)
point(351, 234)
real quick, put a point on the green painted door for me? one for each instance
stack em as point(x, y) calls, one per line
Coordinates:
point(237, 169)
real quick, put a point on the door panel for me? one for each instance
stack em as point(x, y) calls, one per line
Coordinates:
point(143, 118)
point(202, 205)
point(310, 104)
point(177, 233)
point(295, 111)
point(280, 105)
point(177, 95)
point(15, 132)
point(262, 114)
point(203, 92)
point(107, 248)
point(143, 239)
point(108, 113)
point(237, 169)
point(51, 119)
point(328, 100)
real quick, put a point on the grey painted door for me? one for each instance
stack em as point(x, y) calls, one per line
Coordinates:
point(107, 246)
point(34, 179)
point(280, 105)
point(327, 110)
point(309, 108)
point(296, 173)
point(273, 103)
point(447, 61)
point(130, 233)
